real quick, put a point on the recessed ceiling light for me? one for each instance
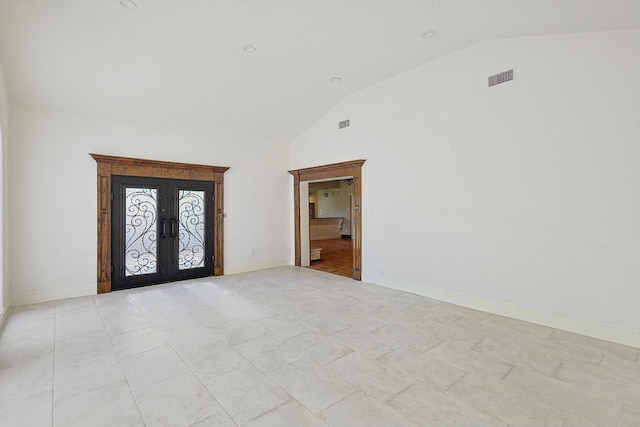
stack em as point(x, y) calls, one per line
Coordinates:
point(129, 4)
point(428, 34)
point(249, 48)
point(335, 79)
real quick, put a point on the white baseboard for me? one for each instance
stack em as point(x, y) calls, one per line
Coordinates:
point(53, 295)
point(4, 315)
point(256, 266)
point(566, 323)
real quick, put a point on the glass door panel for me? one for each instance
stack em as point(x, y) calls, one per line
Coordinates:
point(140, 229)
point(191, 229)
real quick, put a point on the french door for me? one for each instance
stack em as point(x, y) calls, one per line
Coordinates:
point(161, 230)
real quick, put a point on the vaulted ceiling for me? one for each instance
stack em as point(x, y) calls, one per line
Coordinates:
point(183, 62)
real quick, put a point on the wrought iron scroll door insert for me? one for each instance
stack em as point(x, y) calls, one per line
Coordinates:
point(162, 230)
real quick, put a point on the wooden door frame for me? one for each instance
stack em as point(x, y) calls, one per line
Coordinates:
point(327, 172)
point(114, 165)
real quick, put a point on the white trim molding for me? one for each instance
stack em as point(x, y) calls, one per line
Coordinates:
point(36, 298)
point(4, 315)
point(256, 266)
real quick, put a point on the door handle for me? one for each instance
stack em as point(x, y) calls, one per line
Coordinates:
point(172, 225)
point(164, 228)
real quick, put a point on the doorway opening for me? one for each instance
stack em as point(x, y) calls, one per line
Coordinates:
point(302, 179)
point(161, 231)
point(330, 220)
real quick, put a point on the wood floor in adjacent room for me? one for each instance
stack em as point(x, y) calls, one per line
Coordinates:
point(336, 256)
point(292, 346)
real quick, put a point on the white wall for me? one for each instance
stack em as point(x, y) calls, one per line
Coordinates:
point(4, 218)
point(53, 195)
point(521, 199)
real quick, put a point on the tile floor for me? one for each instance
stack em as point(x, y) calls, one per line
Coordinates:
point(297, 347)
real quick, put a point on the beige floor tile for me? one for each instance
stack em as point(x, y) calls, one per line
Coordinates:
point(629, 416)
point(312, 385)
point(75, 327)
point(376, 379)
point(213, 316)
point(424, 369)
point(450, 334)
point(417, 299)
point(470, 361)
point(124, 324)
point(24, 380)
point(593, 405)
point(252, 312)
point(418, 313)
point(171, 320)
point(176, 402)
point(135, 342)
point(220, 419)
point(519, 325)
point(514, 354)
point(323, 324)
point(486, 329)
point(586, 376)
point(507, 403)
point(31, 411)
point(315, 347)
point(82, 348)
point(25, 351)
point(246, 393)
point(164, 305)
point(87, 374)
point(266, 353)
point(281, 328)
point(426, 405)
point(210, 360)
point(360, 410)
point(118, 298)
point(574, 420)
point(236, 331)
point(122, 307)
point(189, 336)
point(108, 406)
point(29, 325)
point(289, 414)
point(560, 350)
point(74, 308)
point(351, 304)
point(372, 321)
point(468, 313)
point(153, 366)
point(400, 301)
point(622, 351)
point(614, 365)
point(416, 339)
point(373, 346)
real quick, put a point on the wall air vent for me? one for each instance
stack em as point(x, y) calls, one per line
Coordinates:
point(502, 77)
point(343, 124)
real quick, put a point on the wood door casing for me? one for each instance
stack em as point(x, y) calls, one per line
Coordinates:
point(326, 172)
point(113, 165)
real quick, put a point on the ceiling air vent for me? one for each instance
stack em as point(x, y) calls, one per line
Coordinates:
point(343, 124)
point(502, 77)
